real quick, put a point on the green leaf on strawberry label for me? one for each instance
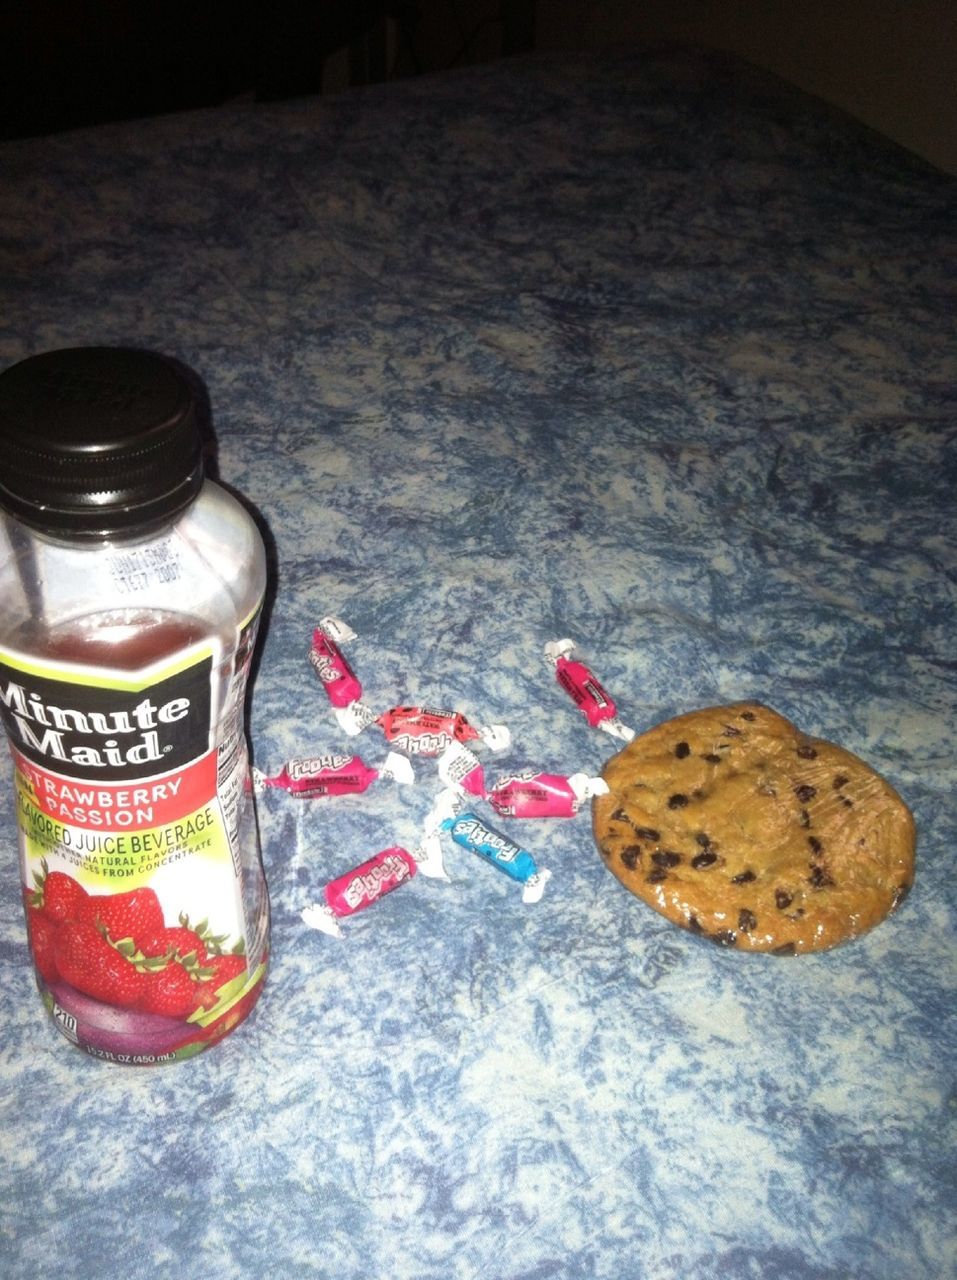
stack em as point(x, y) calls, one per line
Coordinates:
point(39, 879)
point(229, 994)
point(213, 942)
point(189, 1050)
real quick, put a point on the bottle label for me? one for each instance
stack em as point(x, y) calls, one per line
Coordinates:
point(146, 906)
point(108, 731)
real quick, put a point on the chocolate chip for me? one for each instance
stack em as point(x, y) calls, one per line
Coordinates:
point(819, 879)
point(816, 846)
point(631, 856)
point(695, 925)
point(747, 920)
point(643, 833)
point(656, 876)
point(785, 949)
point(677, 801)
point(703, 839)
point(804, 818)
point(847, 803)
point(748, 715)
point(665, 858)
point(840, 780)
point(745, 877)
point(900, 893)
point(712, 758)
point(806, 751)
point(731, 731)
point(782, 899)
point(724, 938)
point(805, 792)
point(682, 750)
point(706, 859)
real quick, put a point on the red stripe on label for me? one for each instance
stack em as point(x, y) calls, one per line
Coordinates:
point(122, 806)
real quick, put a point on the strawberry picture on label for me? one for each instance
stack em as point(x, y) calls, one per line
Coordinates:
point(87, 960)
point(223, 970)
point(124, 915)
point(170, 991)
point(174, 940)
point(42, 933)
point(57, 894)
point(116, 949)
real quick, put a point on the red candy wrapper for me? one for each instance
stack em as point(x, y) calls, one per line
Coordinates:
point(333, 775)
point(583, 687)
point(366, 884)
point(543, 795)
point(423, 731)
point(414, 730)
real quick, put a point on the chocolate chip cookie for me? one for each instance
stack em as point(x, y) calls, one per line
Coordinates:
point(733, 823)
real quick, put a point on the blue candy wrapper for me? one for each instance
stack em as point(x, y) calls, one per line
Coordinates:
point(471, 833)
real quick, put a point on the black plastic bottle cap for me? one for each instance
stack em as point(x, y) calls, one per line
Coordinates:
point(96, 441)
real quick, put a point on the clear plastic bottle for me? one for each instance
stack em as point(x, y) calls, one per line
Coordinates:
point(130, 593)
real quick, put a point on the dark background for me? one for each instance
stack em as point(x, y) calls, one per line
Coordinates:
point(65, 63)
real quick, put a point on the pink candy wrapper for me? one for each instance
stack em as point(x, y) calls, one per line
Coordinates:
point(367, 883)
point(414, 730)
point(543, 795)
point(333, 775)
point(340, 682)
point(338, 679)
point(583, 687)
point(525, 794)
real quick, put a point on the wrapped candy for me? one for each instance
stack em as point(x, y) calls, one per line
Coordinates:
point(543, 795)
point(583, 687)
point(517, 863)
point(340, 682)
point(525, 794)
point(338, 679)
point(363, 885)
point(423, 731)
point(333, 775)
point(414, 730)
point(471, 833)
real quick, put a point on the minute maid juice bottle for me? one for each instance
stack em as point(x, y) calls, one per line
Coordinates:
point(130, 591)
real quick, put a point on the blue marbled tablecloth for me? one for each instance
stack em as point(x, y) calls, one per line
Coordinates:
point(641, 349)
